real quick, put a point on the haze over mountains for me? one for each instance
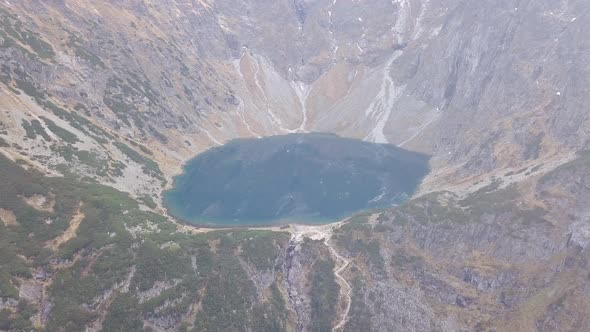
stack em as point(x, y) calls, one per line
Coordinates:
point(102, 102)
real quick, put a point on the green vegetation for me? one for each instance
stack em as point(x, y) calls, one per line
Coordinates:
point(75, 120)
point(532, 149)
point(148, 201)
point(12, 29)
point(357, 240)
point(123, 315)
point(118, 244)
point(582, 161)
point(324, 295)
point(34, 128)
point(157, 264)
point(150, 167)
point(223, 310)
point(39, 129)
point(29, 130)
point(122, 96)
point(444, 207)
point(117, 168)
point(64, 134)
point(81, 52)
point(5, 76)
point(491, 200)
point(11, 43)
point(437, 207)
point(536, 168)
point(141, 147)
point(158, 135)
point(271, 316)
point(29, 88)
point(135, 88)
point(403, 260)
point(360, 315)
point(145, 150)
point(89, 158)
point(260, 251)
point(79, 107)
point(79, 122)
point(20, 321)
point(12, 265)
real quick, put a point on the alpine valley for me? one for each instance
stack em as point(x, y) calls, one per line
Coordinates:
point(443, 145)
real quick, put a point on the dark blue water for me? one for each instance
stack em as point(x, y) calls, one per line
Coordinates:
point(302, 178)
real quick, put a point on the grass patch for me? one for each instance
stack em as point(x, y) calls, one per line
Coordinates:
point(324, 295)
point(83, 53)
point(107, 251)
point(148, 201)
point(62, 133)
point(582, 161)
point(149, 166)
point(34, 128)
point(11, 26)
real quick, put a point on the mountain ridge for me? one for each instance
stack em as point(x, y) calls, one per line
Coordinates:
point(101, 103)
point(385, 93)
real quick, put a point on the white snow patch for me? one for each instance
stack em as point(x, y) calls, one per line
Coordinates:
point(272, 115)
point(379, 197)
point(401, 23)
point(383, 104)
point(302, 91)
point(418, 26)
point(208, 134)
point(240, 111)
point(436, 31)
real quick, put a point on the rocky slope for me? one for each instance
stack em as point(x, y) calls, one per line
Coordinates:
point(81, 256)
point(510, 259)
point(479, 86)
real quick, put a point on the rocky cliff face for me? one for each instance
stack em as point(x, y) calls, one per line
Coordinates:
point(122, 92)
point(509, 259)
point(480, 86)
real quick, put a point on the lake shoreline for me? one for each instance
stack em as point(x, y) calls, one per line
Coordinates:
point(306, 179)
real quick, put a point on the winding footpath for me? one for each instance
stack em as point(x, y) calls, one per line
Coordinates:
point(325, 232)
point(345, 288)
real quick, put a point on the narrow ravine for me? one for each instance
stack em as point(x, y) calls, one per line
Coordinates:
point(324, 233)
point(291, 292)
